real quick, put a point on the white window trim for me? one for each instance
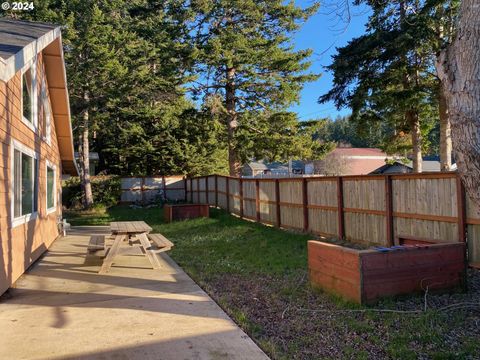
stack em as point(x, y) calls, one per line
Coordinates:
point(34, 124)
point(46, 105)
point(54, 207)
point(15, 145)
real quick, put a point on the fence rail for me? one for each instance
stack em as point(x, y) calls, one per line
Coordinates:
point(374, 209)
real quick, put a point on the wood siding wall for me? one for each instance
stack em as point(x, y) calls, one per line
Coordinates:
point(21, 245)
point(373, 209)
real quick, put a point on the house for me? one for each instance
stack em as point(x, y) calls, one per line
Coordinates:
point(273, 169)
point(94, 160)
point(429, 164)
point(36, 143)
point(351, 161)
point(259, 168)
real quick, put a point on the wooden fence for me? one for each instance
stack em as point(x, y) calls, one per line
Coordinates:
point(148, 189)
point(374, 209)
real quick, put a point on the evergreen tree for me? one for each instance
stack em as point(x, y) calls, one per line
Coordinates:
point(246, 65)
point(126, 64)
point(388, 75)
point(93, 36)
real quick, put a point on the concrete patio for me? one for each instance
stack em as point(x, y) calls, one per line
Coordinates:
point(63, 309)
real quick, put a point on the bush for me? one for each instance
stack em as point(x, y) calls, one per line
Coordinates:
point(106, 191)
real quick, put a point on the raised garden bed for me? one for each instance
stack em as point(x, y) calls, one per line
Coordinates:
point(364, 276)
point(173, 212)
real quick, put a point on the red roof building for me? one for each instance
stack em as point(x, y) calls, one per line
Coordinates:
point(351, 161)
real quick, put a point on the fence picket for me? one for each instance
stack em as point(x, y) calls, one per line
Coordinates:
point(377, 209)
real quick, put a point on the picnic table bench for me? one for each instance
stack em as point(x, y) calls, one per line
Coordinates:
point(133, 232)
point(161, 242)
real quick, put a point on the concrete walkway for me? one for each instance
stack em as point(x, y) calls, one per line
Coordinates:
point(63, 309)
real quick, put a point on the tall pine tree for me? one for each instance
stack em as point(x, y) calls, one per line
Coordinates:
point(245, 62)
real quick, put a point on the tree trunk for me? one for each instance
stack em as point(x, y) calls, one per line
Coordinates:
point(232, 122)
point(411, 115)
point(414, 121)
point(445, 133)
point(445, 129)
point(85, 160)
point(459, 71)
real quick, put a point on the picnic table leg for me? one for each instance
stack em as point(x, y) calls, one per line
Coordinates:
point(152, 257)
point(112, 252)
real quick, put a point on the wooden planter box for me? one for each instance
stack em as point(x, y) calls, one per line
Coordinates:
point(185, 211)
point(364, 276)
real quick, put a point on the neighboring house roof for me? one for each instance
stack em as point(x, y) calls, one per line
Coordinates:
point(427, 166)
point(360, 152)
point(351, 161)
point(261, 166)
point(20, 42)
point(298, 164)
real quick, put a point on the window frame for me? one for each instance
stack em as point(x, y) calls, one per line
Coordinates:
point(52, 166)
point(22, 219)
point(45, 99)
point(32, 67)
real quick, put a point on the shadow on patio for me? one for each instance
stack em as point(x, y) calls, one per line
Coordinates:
point(62, 309)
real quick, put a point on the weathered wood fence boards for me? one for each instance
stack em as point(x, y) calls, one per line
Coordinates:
point(374, 209)
point(148, 189)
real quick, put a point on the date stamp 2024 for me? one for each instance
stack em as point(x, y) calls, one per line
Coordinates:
point(18, 5)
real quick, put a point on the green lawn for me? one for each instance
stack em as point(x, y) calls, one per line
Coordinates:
point(258, 274)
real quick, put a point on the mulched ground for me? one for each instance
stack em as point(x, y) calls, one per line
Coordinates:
point(290, 320)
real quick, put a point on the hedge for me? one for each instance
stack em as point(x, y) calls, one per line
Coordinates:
point(106, 191)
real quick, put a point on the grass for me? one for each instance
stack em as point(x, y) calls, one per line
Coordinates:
point(258, 274)
point(221, 243)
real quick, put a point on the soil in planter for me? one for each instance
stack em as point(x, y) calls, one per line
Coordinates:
point(345, 243)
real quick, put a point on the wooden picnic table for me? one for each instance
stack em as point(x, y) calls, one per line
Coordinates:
point(129, 227)
point(129, 230)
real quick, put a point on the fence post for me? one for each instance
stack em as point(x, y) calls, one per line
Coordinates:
point(198, 190)
point(257, 198)
point(142, 190)
point(277, 200)
point(305, 204)
point(191, 190)
point(164, 188)
point(227, 190)
point(216, 190)
point(185, 187)
point(207, 195)
point(389, 210)
point(461, 210)
point(240, 190)
point(340, 217)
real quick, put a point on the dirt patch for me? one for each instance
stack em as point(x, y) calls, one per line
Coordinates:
point(290, 320)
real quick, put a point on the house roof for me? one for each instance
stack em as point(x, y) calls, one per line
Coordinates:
point(360, 152)
point(261, 165)
point(352, 161)
point(427, 166)
point(20, 42)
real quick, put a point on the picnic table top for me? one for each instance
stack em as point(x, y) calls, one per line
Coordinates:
point(130, 227)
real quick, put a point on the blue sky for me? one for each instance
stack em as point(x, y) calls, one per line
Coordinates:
point(323, 34)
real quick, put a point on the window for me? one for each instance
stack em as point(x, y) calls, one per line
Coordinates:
point(29, 113)
point(27, 96)
point(47, 114)
point(25, 184)
point(51, 198)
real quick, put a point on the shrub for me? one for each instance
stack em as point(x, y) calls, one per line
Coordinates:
point(106, 191)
